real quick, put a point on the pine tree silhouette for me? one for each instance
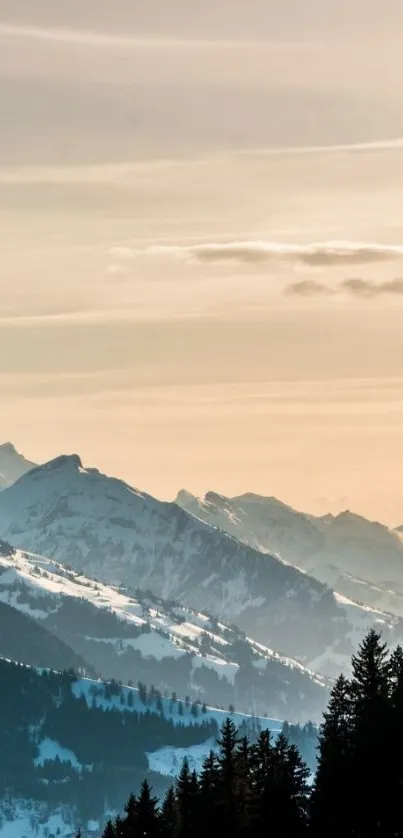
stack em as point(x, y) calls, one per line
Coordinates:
point(185, 801)
point(228, 778)
point(119, 827)
point(110, 830)
point(207, 793)
point(130, 820)
point(370, 689)
point(332, 788)
point(209, 779)
point(147, 820)
point(296, 794)
point(169, 815)
point(243, 756)
point(394, 765)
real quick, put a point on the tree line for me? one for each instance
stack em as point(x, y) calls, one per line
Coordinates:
point(265, 788)
point(239, 787)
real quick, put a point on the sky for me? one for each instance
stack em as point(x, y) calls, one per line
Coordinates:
point(201, 236)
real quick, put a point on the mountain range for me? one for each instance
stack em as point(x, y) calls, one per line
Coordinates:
point(240, 603)
point(360, 558)
point(107, 530)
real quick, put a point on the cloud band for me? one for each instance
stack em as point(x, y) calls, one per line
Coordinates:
point(318, 254)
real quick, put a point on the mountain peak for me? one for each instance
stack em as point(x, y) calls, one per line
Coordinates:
point(12, 464)
point(183, 498)
point(216, 499)
point(348, 517)
point(71, 462)
point(8, 448)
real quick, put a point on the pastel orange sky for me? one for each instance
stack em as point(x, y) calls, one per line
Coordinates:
point(201, 231)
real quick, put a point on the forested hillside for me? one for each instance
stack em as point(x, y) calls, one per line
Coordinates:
point(263, 788)
point(82, 742)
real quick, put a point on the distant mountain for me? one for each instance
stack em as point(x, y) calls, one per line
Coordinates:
point(258, 520)
point(12, 465)
point(110, 531)
point(141, 637)
point(360, 558)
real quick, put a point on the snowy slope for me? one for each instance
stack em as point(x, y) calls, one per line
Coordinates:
point(123, 536)
point(25, 818)
point(168, 761)
point(167, 644)
point(12, 465)
point(49, 749)
point(363, 559)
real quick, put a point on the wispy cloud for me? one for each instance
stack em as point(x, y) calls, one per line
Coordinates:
point(387, 144)
point(309, 288)
point(355, 287)
point(317, 254)
point(69, 36)
point(365, 288)
point(103, 40)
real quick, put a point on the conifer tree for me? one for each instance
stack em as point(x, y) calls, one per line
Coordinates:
point(259, 766)
point(370, 690)
point(130, 820)
point(228, 781)
point(186, 803)
point(119, 827)
point(147, 821)
point(296, 794)
point(396, 678)
point(169, 815)
point(209, 777)
point(243, 756)
point(330, 798)
point(110, 830)
point(260, 792)
point(394, 765)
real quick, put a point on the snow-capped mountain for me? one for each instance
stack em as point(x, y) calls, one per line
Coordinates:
point(144, 638)
point(108, 530)
point(12, 465)
point(361, 558)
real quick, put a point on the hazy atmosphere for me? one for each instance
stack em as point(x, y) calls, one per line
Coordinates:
point(201, 229)
point(201, 423)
